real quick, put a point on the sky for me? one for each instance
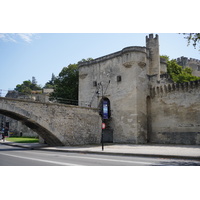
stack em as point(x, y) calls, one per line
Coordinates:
point(40, 37)
point(24, 55)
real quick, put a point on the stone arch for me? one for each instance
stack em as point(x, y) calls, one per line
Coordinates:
point(47, 135)
point(57, 124)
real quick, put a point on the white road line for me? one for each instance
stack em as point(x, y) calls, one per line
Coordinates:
point(103, 159)
point(41, 160)
point(112, 160)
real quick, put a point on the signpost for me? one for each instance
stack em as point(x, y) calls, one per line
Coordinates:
point(103, 127)
point(105, 114)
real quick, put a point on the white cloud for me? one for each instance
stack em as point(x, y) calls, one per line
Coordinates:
point(2, 35)
point(16, 37)
point(27, 37)
point(7, 37)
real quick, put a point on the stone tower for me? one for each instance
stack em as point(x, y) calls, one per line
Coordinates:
point(154, 56)
point(122, 79)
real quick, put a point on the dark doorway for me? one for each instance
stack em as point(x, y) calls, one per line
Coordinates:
point(105, 112)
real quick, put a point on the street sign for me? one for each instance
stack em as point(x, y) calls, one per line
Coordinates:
point(103, 125)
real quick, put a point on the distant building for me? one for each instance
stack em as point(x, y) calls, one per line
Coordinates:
point(194, 64)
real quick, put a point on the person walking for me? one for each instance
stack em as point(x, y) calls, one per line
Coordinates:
point(2, 134)
point(5, 134)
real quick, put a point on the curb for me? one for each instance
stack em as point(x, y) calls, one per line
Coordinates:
point(197, 158)
point(16, 145)
point(124, 154)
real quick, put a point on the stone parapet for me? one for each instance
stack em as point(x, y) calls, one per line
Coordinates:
point(113, 55)
point(171, 87)
point(181, 59)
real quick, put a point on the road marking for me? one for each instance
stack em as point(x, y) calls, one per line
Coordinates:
point(103, 159)
point(41, 160)
point(81, 157)
point(112, 160)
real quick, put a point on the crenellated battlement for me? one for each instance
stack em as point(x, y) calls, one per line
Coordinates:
point(151, 36)
point(186, 60)
point(174, 87)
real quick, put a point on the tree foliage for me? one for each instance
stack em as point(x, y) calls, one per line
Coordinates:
point(51, 83)
point(192, 37)
point(85, 60)
point(66, 84)
point(27, 86)
point(177, 73)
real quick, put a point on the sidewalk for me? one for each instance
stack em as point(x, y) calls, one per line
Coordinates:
point(147, 150)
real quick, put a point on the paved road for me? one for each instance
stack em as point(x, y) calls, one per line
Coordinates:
point(16, 156)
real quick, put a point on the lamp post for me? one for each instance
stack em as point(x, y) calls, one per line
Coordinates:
point(103, 124)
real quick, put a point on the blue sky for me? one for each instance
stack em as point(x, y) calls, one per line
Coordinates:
point(23, 56)
point(45, 36)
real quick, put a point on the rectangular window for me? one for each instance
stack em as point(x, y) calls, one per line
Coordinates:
point(94, 83)
point(119, 78)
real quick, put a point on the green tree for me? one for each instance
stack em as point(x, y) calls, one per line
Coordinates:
point(27, 86)
point(66, 84)
point(192, 37)
point(165, 57)
point(178, 74)
point(85, 60)
point(24, 87)
point(34, 85)
point(51, 83)
point(34, 82)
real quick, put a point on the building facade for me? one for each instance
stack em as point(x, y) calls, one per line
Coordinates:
point(135, 84)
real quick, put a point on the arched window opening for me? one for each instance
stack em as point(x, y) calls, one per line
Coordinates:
point(105, 110)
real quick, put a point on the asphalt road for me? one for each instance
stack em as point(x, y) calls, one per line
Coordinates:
point(16, 156)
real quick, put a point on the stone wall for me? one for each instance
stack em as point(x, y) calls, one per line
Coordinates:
point(57, 124)
point(18, 129)
point(174, 116)
point(120, 77)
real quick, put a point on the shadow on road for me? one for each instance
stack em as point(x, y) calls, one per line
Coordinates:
point(6, 148)
point(178, 163)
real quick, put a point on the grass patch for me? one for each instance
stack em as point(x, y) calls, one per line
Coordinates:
point(23, 139)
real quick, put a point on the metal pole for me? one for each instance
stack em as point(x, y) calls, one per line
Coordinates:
point(102, 119)
point(102, 140)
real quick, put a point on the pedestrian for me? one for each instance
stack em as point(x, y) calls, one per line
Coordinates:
point(2, 131)
point(2, 136)
point(5, 134)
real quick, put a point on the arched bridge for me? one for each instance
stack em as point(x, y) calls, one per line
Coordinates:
point(57, 124)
